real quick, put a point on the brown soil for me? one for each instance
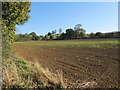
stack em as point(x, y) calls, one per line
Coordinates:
point(78, 64)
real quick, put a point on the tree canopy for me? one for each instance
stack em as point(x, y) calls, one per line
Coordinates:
point(13, 13)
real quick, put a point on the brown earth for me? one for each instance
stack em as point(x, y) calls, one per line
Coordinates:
point(78, 64)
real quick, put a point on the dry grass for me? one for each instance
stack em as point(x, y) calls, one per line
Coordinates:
point(56, 78)
point(12, 78)
point(36, 77)
point(10, 75)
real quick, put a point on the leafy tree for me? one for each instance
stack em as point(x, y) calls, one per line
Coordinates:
point(41, 37)
point(60, 30)
point(82, 35)
point(81, 30)
point(33, 35)
point(78, 26)
point(98, 34)
point(70, 33)
point(78, 30)
point(62, 36)
point(37, 38)
point(54, 32)
point(49, 33)
point(13, 13)
point(91, 35)
point(22, 37)
point(117, 34)
point(108, 35)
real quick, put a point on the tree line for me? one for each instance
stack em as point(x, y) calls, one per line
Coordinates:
point(76, 33)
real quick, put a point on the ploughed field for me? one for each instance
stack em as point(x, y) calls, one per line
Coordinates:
point(81, 61)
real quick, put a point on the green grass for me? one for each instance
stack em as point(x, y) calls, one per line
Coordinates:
point(29, 74)
point(23, 66)
point(78, 43)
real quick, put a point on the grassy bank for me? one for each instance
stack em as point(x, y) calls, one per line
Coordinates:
point(19, 73)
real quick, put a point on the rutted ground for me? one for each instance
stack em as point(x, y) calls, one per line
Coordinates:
point(79, 64)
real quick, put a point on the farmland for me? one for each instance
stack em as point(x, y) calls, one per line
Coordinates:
point(84, 60)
